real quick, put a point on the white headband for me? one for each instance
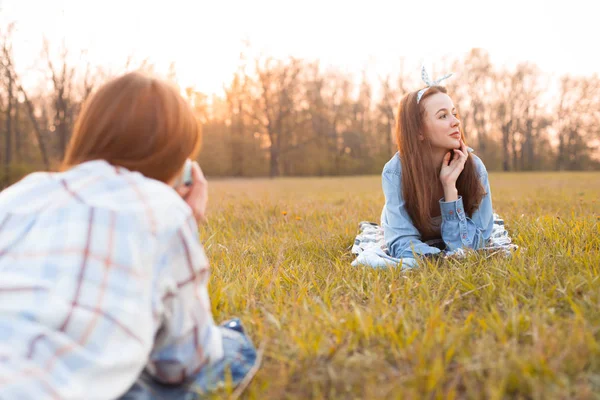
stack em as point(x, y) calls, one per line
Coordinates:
point(429, 83)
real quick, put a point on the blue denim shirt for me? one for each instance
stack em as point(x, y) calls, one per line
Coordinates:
point(457, 229)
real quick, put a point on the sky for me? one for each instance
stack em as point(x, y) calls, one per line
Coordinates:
point(204, 38)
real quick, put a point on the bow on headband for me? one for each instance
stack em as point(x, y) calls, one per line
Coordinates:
point(429, 83)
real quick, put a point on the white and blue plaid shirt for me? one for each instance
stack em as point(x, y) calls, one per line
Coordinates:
point(102, 275)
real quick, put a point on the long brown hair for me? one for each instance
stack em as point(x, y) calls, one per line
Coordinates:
point(419, 178)
point(138, 122)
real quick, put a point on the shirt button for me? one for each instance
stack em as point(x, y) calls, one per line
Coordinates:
point(464, 236)
point(459, 210)
point(451, 212)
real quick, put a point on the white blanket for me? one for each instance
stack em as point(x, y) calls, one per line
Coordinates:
point(371, 250)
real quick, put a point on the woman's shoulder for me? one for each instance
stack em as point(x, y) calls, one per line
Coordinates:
point(479, 165)
point(152, 204)
point(393, 166)
point(34, 191)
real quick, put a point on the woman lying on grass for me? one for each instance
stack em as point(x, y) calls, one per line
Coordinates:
point(437, 194)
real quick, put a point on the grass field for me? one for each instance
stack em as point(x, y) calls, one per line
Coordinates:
point(526, 327)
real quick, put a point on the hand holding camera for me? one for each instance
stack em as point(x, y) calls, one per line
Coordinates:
point(194, 189)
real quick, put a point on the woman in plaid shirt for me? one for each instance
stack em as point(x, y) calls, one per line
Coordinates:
point(103, 280)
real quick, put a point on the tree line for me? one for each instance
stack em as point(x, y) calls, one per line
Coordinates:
point(293, 117)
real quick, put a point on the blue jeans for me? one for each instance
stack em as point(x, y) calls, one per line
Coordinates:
point(239, 356)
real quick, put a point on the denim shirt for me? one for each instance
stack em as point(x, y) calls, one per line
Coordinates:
point(457, 229)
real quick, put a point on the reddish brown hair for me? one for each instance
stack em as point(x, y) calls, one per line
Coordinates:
point(137, 122)
point(419, 178)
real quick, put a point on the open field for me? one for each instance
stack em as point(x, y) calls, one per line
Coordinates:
point(525, 327)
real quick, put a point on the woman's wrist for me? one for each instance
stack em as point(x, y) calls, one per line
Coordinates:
point(450, 193)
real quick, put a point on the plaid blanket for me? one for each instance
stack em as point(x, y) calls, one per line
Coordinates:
point(371, 250)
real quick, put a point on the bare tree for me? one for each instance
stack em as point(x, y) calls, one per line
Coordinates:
point(36, 127)
point(10, 100)
point(473, 91)
point(516, 95)
point(238, 102)
point(278, 84)
point(578, 122)
point(62, 80)
point(387, 106)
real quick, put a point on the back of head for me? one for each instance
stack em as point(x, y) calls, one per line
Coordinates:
point(137, 122)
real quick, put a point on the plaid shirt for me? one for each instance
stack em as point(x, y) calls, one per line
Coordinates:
point(101, 275)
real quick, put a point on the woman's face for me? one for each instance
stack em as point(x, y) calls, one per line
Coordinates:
point(441, 122)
